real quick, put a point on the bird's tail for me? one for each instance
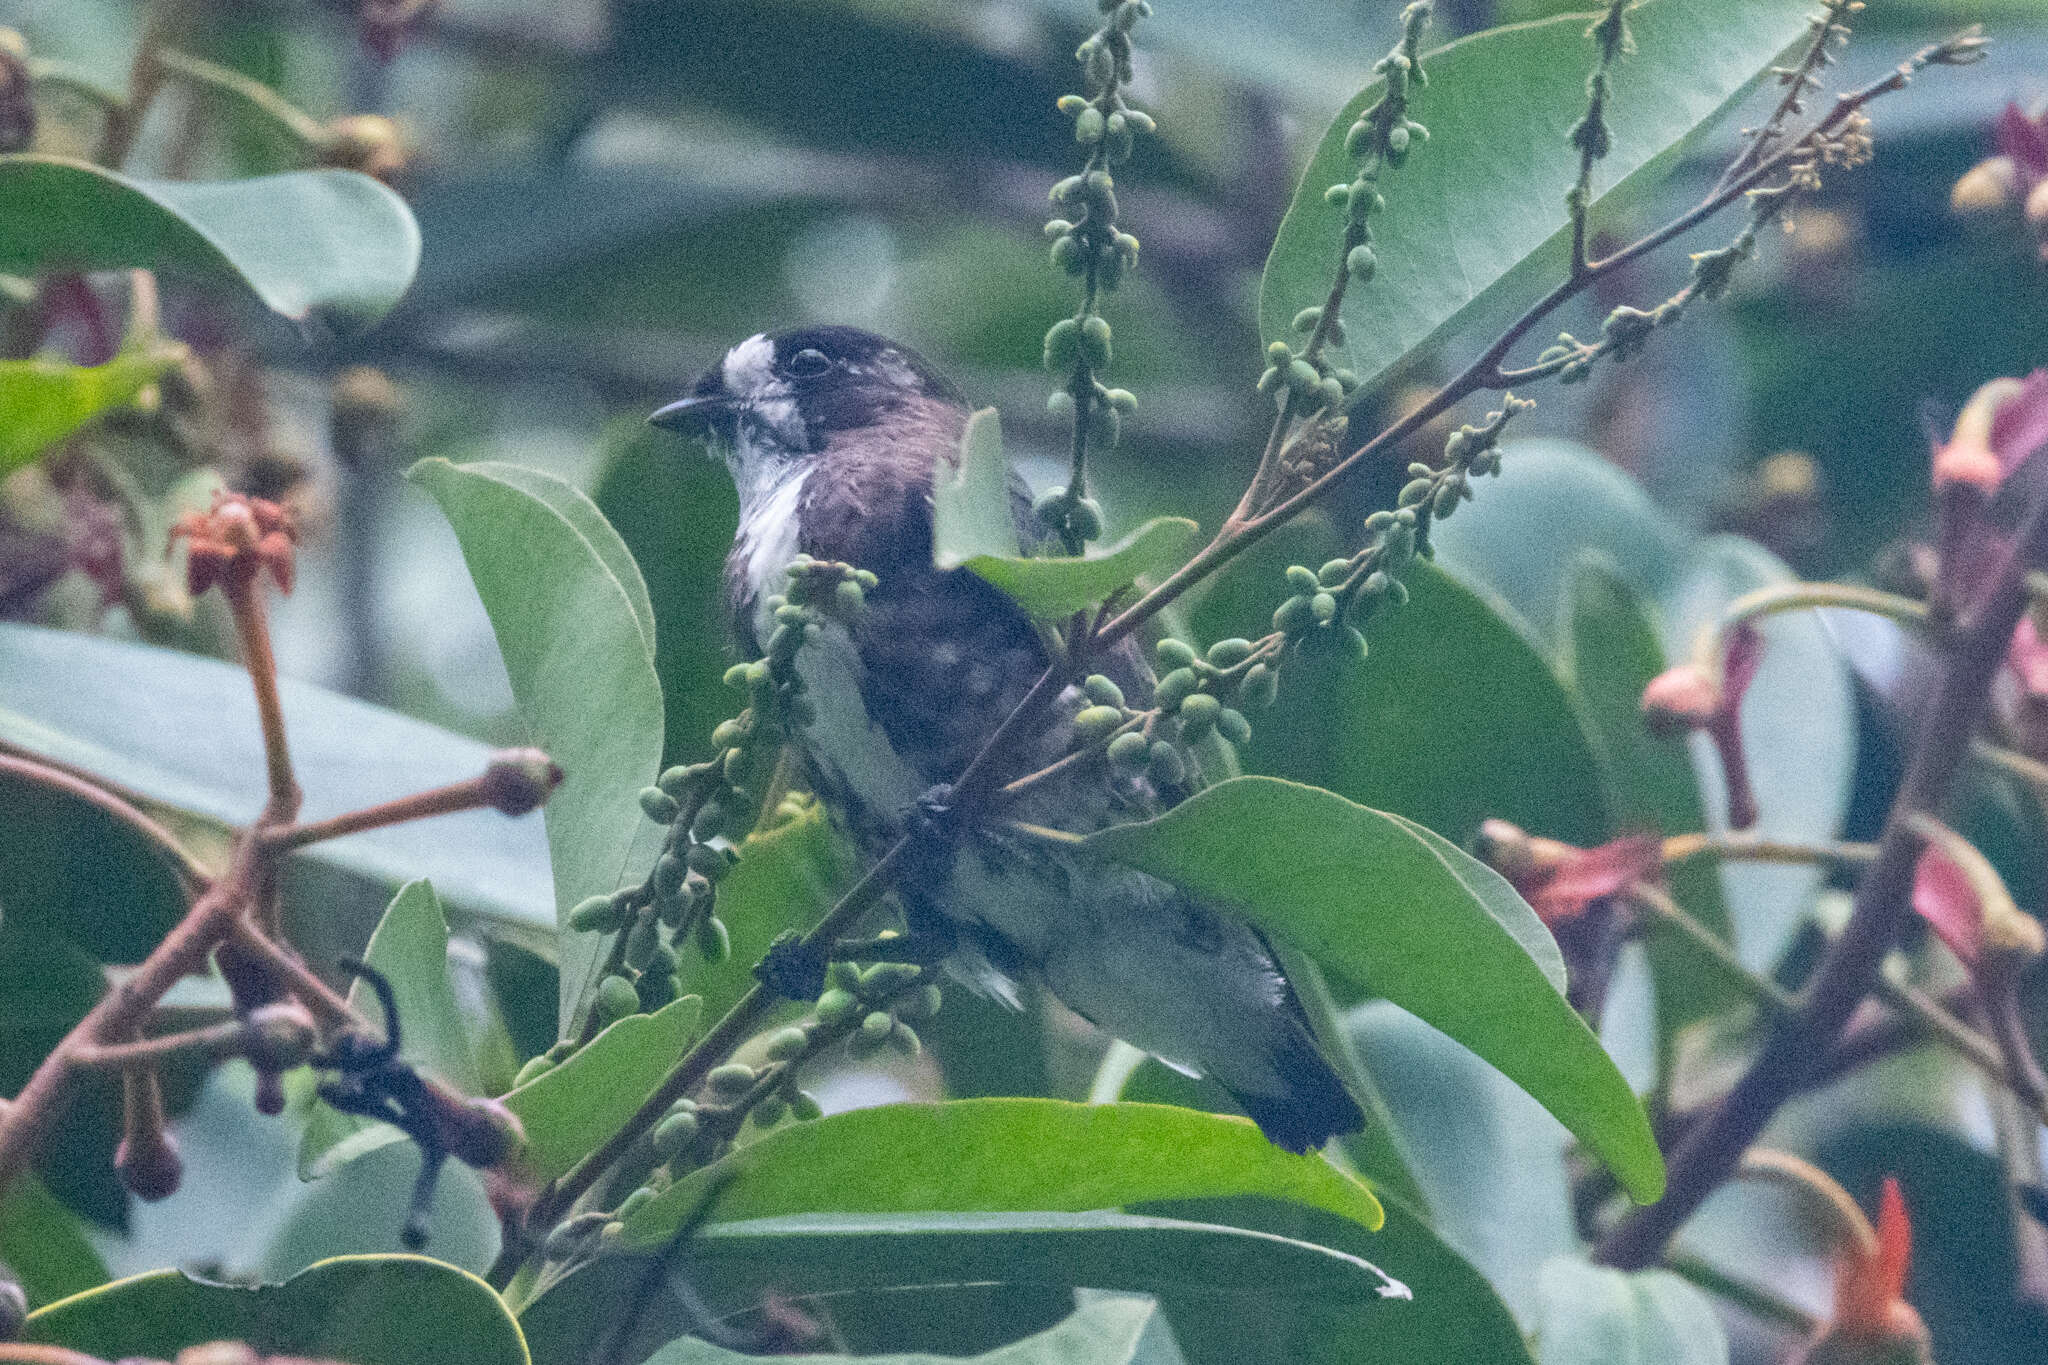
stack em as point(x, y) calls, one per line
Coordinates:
point(1202, 991)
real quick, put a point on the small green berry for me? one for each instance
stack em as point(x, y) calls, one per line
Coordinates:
point(1166, 767)
point(786, 1045)
point(1230, 653)
point(1128, 751)
point(731, 1080)
point(616, 999)
point(659, 806)
point(1094, 722)
point(1175, 688)
point(1232, 725)
point(1173, 653)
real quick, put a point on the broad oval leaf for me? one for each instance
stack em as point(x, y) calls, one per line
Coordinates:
point(1111, 1330)
point(1373, 902)
point(569, 1110)
point(1055, 587)
point(732, 1265)
point(182, 730)
point(999, 1155)
point(336, 242)
point(1592, 1315)
point(1479, 208)
point(1454, 675)
point(570, 631)
point(42, 400)
point(410, 947)
point(368, 1310)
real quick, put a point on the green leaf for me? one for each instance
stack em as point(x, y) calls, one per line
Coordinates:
point(971, 505)
point(42, 1245)
point(410, 946)
point(367, 1310)
point(1592, 1315)
point(1454, 716)
point(569, 1110)
point(1378, 905)
point(1477, 213)
point(42, 400)
point(992, 1156)
point(181, 730)
point(1455, 1315)
point(1115, 1330)
point(583, 514)
point(675, 512)
point(334, 241)
point(1610, 652)
point(1053, 588)
point(732, 1265)
point(570, 631)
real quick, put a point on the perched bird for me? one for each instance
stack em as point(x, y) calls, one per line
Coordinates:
point(832, 436)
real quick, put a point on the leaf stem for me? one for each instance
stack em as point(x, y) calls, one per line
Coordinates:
point(1684, 848)
point(470, 794)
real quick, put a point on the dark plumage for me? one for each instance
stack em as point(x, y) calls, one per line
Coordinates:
point(832, 436)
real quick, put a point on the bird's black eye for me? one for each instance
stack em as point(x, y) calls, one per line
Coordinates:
point(807, 363)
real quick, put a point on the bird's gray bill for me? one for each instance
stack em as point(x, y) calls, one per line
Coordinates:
point(689, 415)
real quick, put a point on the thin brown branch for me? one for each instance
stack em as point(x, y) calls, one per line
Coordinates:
point(1883, 904)
point(215, 1041)
point(35, 1353)
point(327, 1004)
point(471, 794)
point(252, 623)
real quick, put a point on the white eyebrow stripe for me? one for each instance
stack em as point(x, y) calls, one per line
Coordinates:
point(749, 367)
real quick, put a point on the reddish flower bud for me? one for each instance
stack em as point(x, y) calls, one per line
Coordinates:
point(1680, 700)
point(1873, 1323)
point(520, 780)
point(1688, 698)
point(1561, 881)
point(236, 538)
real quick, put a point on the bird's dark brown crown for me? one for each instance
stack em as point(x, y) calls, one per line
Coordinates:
point(836, 379)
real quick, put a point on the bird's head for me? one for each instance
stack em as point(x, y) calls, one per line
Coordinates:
point(780, 399)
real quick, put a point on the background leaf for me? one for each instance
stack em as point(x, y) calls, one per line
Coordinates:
point(1051, 588)
point(43, 1247)
point(368, 1310)
point(334, 241)
point(998, 1155)
point(1112, 1330)
point(1478, 211)
point(1596, 1316)
point(569, 630)
point(1375, 904)
point(182, 730)
point(42, 400)
point(1454, 716)
point(1610, 653)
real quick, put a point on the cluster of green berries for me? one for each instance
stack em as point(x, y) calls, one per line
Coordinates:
point(1209, 693)
point(1381, 138)
point(875, 1006)
point(1326, 604)
point(1307, 376)
point(709, 806)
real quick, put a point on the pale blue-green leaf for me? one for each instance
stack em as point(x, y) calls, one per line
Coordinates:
point(333, 241)
point(182, 730)
point(1592, 1315)
point(1106, 1331)
point(1379, 906)
point(569, 631)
